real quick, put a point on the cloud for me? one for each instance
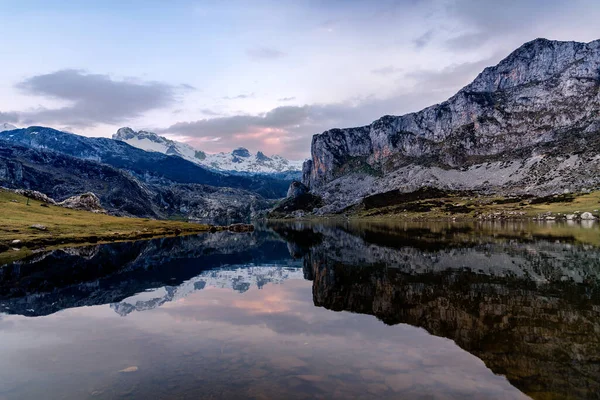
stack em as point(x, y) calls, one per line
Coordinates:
point(508, 24)
point(385, 71)
point(9, 117)
point(467, 41)
point(264, 53)
point(94, 99)
point(240, 96)
point(209, 112)
point(453, 77)
point(424, 39)
point(286, 99)
point(287, 130)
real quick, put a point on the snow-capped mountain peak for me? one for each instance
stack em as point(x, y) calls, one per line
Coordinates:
point(7, 127)
point(239, 160)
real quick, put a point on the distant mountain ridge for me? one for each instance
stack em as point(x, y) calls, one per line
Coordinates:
point(128, 180)
point(529, 125)
point(149, 166)
point(239, 160)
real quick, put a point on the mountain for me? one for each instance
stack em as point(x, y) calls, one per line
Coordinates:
point(529, 125)
point(61, 176)
point(149, 167)
point(7, 127)
point(239, 160)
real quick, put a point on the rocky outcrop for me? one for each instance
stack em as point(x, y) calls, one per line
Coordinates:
point(35, 195)
point(296, 189)
point(87, 201)
point(527, 125)
point(298, 202)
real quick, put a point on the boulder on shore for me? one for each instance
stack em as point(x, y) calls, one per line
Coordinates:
point(587, 216)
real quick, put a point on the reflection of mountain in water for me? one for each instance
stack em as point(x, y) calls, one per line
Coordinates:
point(110, 273)
point(527, 305)
point(530, 311)
point(239, 279)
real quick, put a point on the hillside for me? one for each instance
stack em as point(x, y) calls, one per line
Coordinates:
point(59, 226)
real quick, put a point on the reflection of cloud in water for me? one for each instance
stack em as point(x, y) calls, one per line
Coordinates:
point(221, 343)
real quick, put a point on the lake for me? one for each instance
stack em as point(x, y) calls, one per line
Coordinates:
point(310, 310)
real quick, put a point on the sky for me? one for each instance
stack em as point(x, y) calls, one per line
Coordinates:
point(265, 75)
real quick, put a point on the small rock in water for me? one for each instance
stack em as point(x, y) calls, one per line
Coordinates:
point(39, 227)
point(129, 369)
point(16, 241)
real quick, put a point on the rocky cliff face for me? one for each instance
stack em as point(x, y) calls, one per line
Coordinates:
point(529, 125)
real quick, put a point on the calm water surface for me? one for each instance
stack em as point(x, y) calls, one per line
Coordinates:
point(310, 311)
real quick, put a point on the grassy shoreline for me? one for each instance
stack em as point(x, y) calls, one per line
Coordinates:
point(65, 227)
point(457, 206)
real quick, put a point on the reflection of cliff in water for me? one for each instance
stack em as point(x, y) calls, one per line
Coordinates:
point(109, 273)
point(530, 310)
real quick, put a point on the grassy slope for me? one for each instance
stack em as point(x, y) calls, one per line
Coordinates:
point(470, 207)
point(65, 226)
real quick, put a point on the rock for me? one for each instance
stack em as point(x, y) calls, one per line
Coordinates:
point(87, 201)
point(14, 201)
point(16, 241)
point(587, 216)
point(296, 190)
point(241, 152)
point(570, 217)
point(44, 205)
point(240, 228)
point(39, 227)
point(35, 195)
